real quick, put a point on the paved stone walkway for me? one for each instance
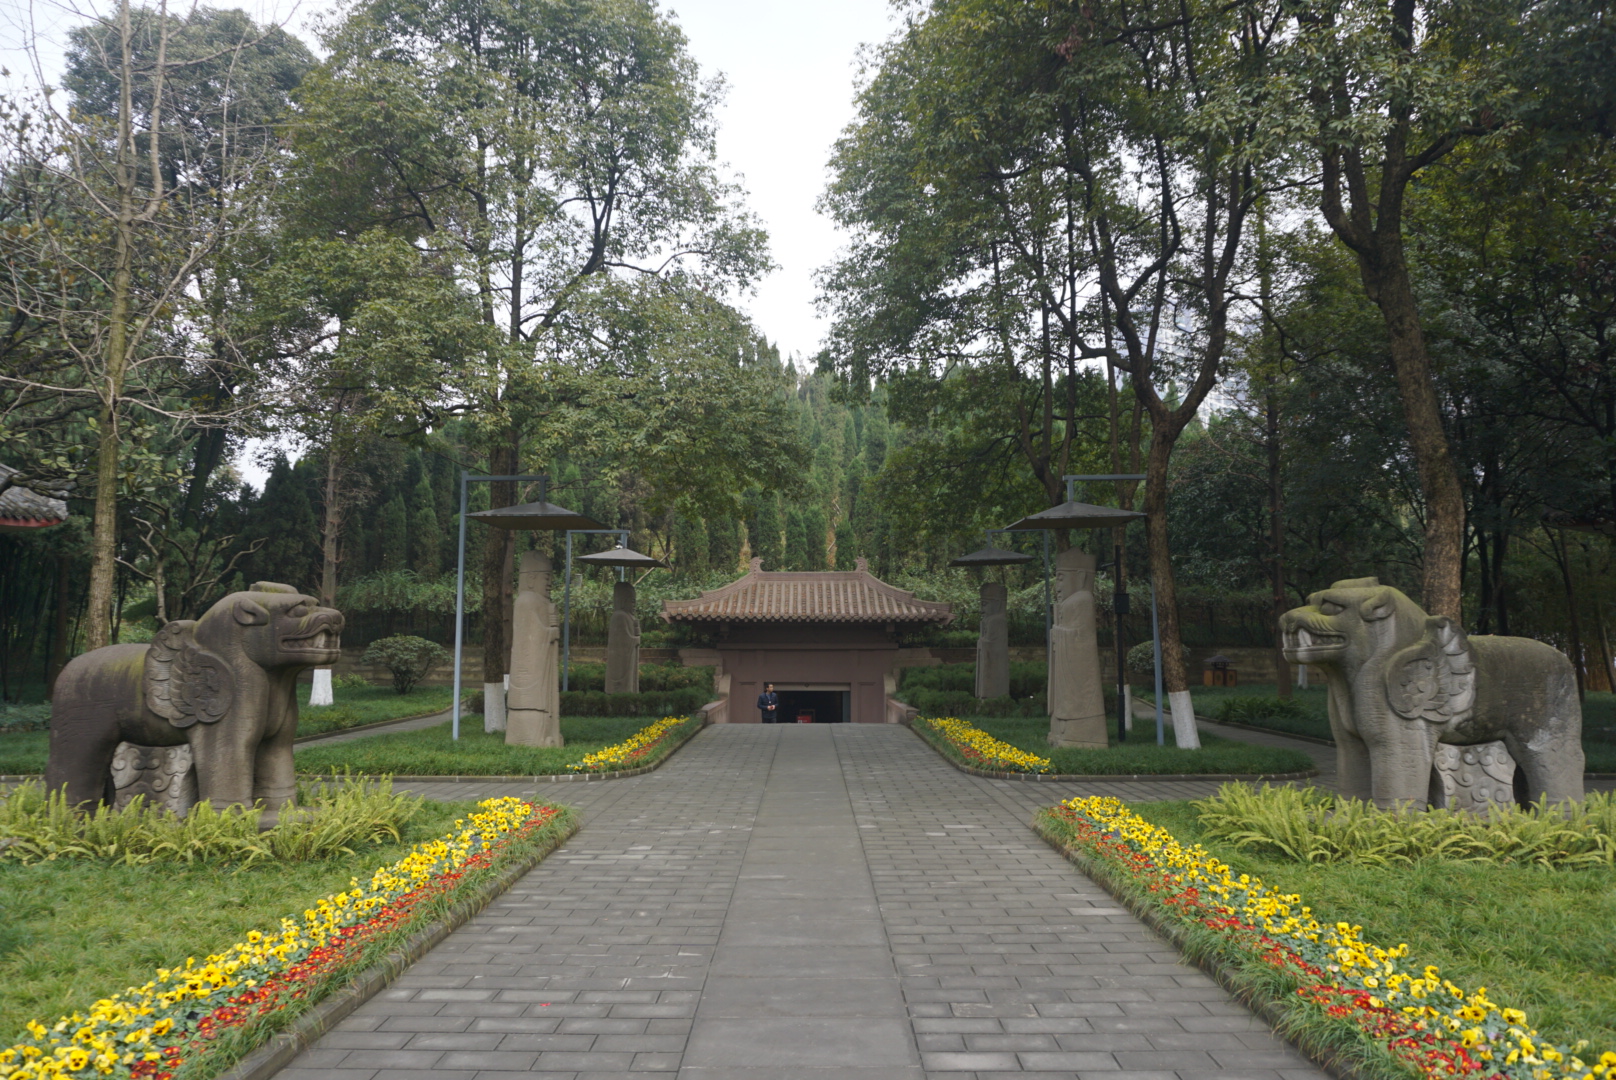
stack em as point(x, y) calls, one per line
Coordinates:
point(803, 903)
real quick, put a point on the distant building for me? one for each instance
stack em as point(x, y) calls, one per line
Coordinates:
point(23, 510)
point(828, 641)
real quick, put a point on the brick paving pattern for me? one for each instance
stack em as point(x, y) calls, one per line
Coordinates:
point(803, 903)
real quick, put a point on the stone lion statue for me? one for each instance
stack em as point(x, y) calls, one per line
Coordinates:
point(1402, 682)
point(224, 684)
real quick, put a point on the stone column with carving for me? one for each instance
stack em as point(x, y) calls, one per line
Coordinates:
point(533, 704)
point(623, 643)
point(1076, 700)
point(993, 644)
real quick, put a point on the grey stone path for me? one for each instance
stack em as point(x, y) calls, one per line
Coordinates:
point(803, 903)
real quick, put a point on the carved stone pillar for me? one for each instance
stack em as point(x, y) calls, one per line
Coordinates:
point(993, 644)
point(623, 643)
point(533, 704)
point(1076, 700)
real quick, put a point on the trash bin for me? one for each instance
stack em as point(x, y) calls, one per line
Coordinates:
point(1219, 671)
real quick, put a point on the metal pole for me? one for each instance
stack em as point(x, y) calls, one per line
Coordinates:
point(566, 620)
point(460, 605)
point(1119, 608)
point(1155, 634)
point(1049, 609)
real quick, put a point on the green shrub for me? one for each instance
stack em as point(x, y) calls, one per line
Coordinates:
point(24, 718)
point(962, 703)
point(646, 703)
point(1142, 658)
point(1027, 679)
point(1252, 709)
point(331, 818)
point(409, 658)
point(1313, 826)
point(587, 675)
point(351, 681)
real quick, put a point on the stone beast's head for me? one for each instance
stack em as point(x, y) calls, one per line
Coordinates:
point(193, 666)
point(1351, 623)
point(1425, 661)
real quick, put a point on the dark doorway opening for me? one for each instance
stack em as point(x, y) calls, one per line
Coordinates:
point(817, 706)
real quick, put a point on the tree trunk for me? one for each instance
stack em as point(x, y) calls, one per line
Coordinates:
point(104, 519)
point(1439, 479)
point(496, 545)
point(1175, 677)
point(1562, 555)
point(1276, 539)
point(58, 653)
point(331, 534)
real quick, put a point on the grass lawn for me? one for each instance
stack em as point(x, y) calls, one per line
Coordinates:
point(77, 930)
point(357, 706)
point(1539, 940)
point(1141, 754)
point(24, 752)
point(431, 752)
point(1598, 717)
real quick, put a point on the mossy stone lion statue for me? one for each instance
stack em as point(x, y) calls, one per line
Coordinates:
point(225, 683)
point(1402, 681)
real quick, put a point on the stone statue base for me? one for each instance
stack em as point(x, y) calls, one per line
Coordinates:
point(1473, 778)
point(165, 775)
point(1090, 732)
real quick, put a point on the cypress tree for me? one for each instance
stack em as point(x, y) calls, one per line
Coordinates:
point(426, 536)
point(813, 527)
point(768, 543)
point(797, 557)
point(724, 544)
point(391, 534)
point(846, 545)
point(690, 544)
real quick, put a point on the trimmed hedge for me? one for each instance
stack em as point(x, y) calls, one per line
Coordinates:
point(587, 675)
point(646, 703)
point(1027, 679)
point(964, 703)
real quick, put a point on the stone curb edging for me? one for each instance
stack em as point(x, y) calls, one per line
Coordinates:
point(379, 724)
point(1265, 730)
point(282, 1047)
point(1069, 778)
point(543, 778)
point(1222, 973)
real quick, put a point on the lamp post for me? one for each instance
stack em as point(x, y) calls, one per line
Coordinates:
point(1119, 605)
point(535, 515)
point(1079, 515)
point(566, 598)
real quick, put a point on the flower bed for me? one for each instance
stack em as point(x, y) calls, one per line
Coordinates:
point(189, 1012)
point(1327, 983)
point(636, 750)
point(976, 747)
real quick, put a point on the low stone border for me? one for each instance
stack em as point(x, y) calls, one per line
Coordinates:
point(1069, 778)
point(334, 732)
point(541, 778)
point(1266, 730)
point(1224, 974)
point(279, 1051)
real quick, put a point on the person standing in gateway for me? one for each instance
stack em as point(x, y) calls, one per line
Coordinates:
point(769, 704)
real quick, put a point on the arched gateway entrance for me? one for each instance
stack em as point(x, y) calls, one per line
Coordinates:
point(828, 641)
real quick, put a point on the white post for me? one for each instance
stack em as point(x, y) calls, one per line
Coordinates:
point(320, 692)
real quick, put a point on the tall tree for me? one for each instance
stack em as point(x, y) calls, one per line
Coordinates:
point(133, 193)
point(1388, 90)
point(559, 150)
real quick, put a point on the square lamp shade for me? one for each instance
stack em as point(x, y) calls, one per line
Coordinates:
point(991, 556)
point(1077, 515)
point(535, 515)
point(622, 557)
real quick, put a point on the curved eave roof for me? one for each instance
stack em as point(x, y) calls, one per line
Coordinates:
point(843, 596)
point(24, 510)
